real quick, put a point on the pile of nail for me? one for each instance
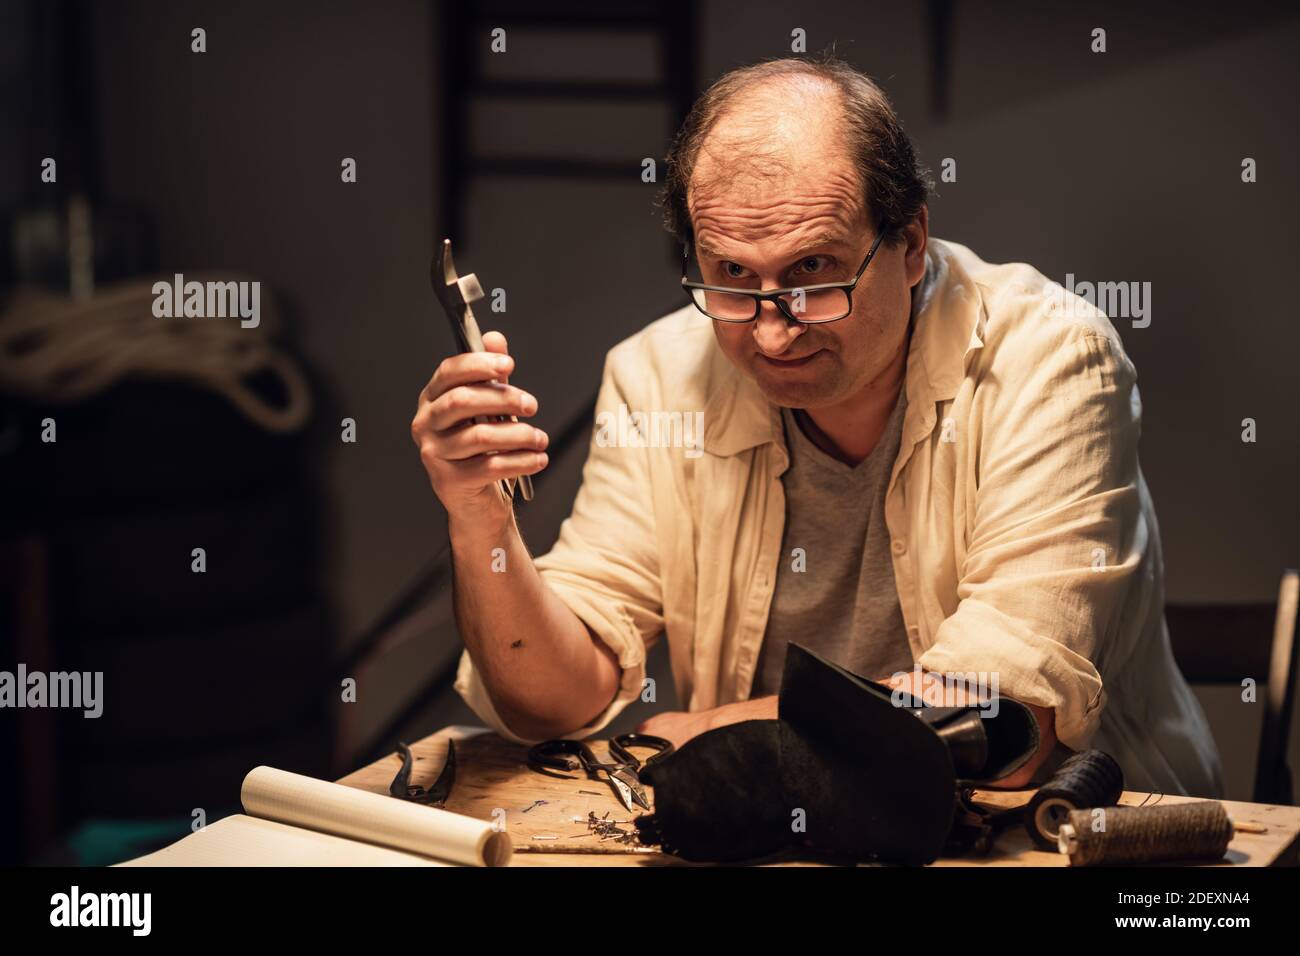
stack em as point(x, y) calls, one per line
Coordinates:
point(607, 829)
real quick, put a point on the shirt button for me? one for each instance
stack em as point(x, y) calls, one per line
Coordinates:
point(899, 546)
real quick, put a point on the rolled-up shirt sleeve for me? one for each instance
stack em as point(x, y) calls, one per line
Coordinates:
point(604, 565)
point(1058, 529)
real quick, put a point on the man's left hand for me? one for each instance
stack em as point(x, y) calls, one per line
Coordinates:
point(680, 726)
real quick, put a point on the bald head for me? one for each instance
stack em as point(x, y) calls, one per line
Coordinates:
point(776, 134)
point(782, 117)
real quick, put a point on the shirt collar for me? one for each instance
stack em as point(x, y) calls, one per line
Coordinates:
point(950, 319)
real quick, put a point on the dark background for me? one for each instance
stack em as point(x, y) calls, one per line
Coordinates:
point(1123, 166)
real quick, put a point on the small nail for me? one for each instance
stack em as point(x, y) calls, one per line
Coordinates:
point(501, 361)
point(528, 403)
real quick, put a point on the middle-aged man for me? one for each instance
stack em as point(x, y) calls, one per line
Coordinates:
point(929, 470)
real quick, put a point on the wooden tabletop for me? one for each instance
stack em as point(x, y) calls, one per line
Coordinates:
point(547, 817)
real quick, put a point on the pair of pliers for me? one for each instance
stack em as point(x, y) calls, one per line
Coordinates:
point(433, 796)
point(622, 774)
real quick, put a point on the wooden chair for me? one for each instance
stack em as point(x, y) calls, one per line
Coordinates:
point(1226, 643)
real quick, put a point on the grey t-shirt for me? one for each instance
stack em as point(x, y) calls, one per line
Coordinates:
point(844, 604)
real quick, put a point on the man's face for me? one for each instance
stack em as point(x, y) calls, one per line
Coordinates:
point(798, 230)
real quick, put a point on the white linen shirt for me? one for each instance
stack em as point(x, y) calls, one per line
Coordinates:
point(1023, 535)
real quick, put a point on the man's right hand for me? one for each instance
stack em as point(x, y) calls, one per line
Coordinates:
point(464, 459)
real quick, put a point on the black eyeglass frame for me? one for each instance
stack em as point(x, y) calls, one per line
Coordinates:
point(775, 295)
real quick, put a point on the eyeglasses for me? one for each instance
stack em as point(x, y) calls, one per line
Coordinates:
point(809, 304)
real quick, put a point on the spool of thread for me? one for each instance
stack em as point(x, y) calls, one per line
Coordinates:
point(1088, 779)
point(1185, 831)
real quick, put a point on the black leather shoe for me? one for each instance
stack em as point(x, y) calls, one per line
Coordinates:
point(849, 770)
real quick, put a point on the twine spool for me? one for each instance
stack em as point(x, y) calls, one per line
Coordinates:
point(1088, 779)
point(1185, 831)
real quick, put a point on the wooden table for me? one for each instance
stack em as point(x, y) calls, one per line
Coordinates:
point(493, 781)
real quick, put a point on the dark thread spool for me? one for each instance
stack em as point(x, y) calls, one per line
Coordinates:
point(1088, 779)
point(1186, 831)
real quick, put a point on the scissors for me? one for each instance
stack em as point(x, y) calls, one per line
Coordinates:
point(623, 774)
point(455, 293)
